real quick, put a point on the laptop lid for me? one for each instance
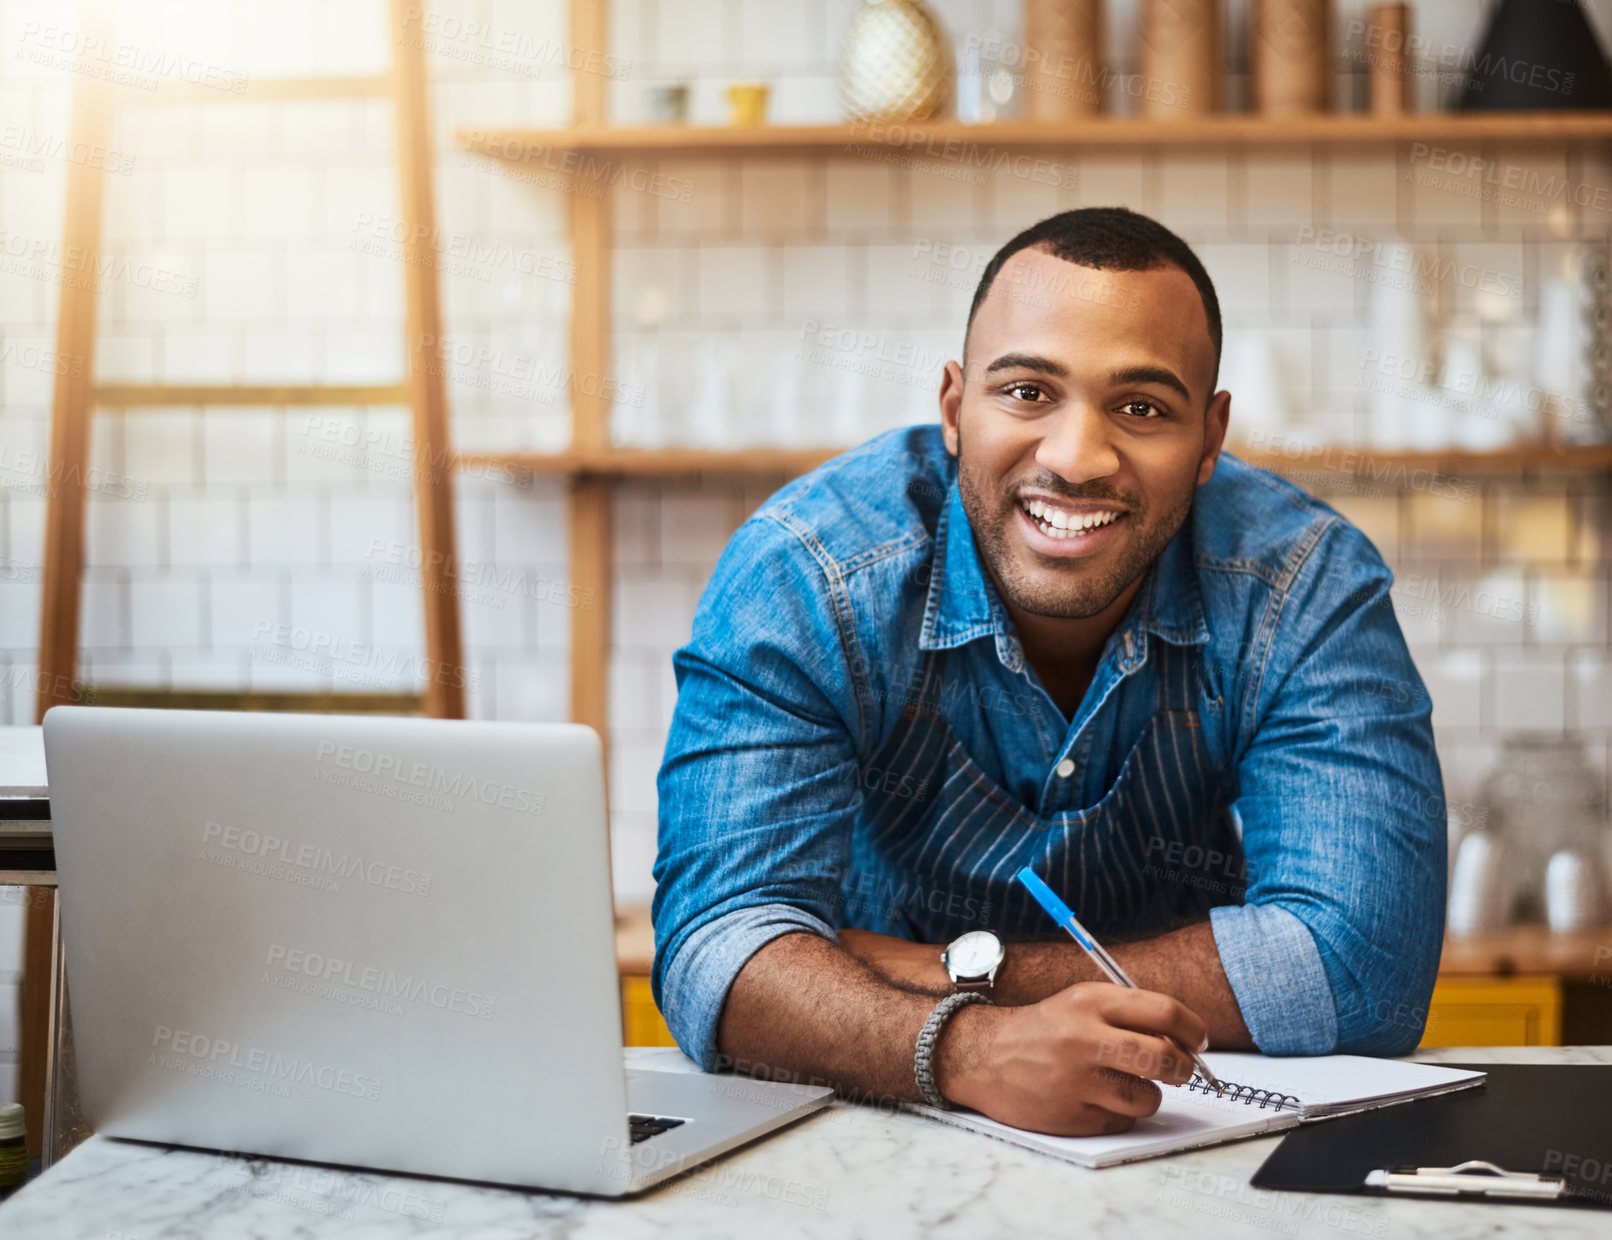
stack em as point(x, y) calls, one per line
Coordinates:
point(373, 941)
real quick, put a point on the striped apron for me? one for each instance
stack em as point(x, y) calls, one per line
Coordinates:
point(935, 856)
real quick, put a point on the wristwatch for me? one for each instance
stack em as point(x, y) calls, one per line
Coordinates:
point(972, 960)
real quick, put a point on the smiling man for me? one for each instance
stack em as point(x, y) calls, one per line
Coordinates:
point(1061, 629)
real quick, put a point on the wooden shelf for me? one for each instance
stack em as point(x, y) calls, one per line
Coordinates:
point(954, 140)
point(190, 395)
point(635, 940)
point(1528, 950)
point(1370, 463)
point(657, 463)
point(1389, 468)
point(255, 90)
point(318, 701)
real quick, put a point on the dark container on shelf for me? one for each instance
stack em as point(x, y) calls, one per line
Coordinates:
point(1536, 56)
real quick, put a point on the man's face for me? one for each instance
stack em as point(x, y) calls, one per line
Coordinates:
point(1089, 426)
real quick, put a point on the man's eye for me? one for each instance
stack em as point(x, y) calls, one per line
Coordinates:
point(1142, 409)
point(1015, 390)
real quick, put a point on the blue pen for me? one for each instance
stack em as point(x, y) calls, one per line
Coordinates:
point(1061, 913)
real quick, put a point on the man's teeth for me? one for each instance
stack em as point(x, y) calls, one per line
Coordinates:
point(1060, 524)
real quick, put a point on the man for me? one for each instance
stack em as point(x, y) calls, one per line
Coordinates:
point(1058, 630)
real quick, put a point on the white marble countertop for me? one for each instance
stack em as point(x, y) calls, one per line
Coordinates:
point(845, 1172)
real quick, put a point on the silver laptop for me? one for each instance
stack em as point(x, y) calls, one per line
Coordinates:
point(375, 942)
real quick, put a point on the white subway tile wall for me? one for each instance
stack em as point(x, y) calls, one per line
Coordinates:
point(806, 299)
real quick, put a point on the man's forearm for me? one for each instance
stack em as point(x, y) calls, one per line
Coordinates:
point(1083, 1061)
point(805, 1008)
point(1184, 964)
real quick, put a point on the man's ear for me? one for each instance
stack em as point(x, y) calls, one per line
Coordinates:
point(951, 404)
point(1215, 419)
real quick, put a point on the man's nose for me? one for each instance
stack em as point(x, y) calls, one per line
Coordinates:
point(1078, 445)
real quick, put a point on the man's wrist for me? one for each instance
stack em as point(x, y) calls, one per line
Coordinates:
point(962, 1054)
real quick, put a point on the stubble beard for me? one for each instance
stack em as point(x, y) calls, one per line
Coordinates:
point(1075, 592)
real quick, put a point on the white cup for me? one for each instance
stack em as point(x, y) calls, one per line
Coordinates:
point(1572, 895)
point(1477, 887)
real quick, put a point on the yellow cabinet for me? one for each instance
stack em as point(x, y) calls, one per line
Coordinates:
point(1495, 1011)
point(640, 1019)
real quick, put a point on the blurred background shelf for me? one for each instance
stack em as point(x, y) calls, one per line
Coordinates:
point(1524, 985)
point(748, 462)
point(1530, 949)
point(1373, 462)
point(335, 702)
point(657, 462)
point(197, 395)
point(953, 139)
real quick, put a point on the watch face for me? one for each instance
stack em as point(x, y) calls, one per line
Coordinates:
point(975, 954)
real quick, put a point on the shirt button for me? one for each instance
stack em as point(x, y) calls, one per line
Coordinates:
point(1066, 768)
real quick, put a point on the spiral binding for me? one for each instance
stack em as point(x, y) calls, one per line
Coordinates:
point(1246, 1094)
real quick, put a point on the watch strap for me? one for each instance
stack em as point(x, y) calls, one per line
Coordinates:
point(973, 985)
point(923, 1070)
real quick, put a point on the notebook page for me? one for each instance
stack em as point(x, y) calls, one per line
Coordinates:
point(1330, 1084)
point(1183, 1121)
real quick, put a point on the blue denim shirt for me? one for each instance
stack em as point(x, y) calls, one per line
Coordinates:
point(859, 741)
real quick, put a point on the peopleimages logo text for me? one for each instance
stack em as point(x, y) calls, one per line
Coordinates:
point(384, 982)
point(315, 858)
point(220, 1054)
point(432, 778)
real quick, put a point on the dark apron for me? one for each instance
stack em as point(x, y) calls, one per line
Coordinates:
point(936, 849)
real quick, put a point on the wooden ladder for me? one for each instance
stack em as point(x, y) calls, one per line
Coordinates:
point(76, 397)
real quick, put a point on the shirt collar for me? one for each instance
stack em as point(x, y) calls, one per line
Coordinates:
point(962, 604)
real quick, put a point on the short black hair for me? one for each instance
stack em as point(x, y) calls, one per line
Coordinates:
point(1109, 239)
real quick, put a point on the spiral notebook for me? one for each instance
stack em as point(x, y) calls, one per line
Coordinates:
point(1262, 1095)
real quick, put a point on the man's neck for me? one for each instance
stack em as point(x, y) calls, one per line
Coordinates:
point(1065, 652)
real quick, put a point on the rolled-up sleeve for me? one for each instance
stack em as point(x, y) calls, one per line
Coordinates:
point(1341, 805)
point(757, 789)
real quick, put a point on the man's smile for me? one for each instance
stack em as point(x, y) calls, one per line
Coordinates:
point(1068, 528)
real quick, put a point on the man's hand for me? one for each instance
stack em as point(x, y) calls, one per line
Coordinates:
point(1078, 1063)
